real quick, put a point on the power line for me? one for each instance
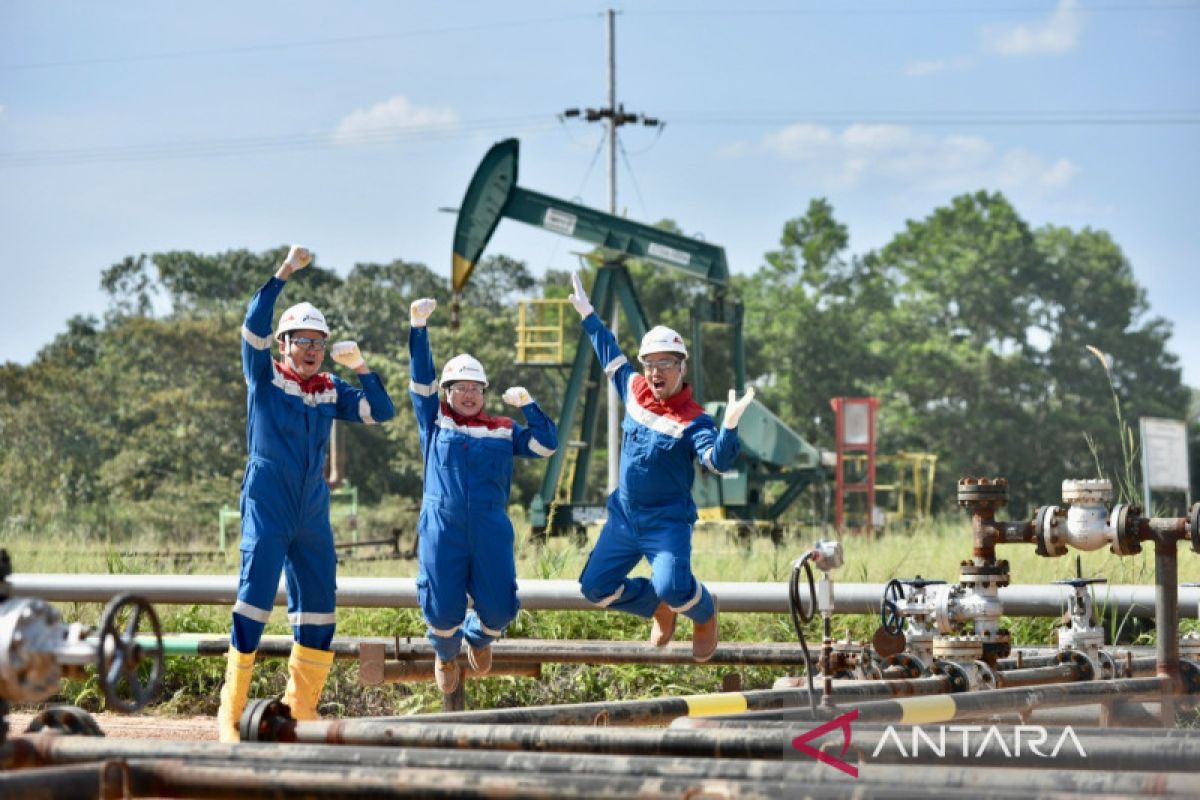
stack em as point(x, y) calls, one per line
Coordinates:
point(908, 9)
point(266, 144)
point(633, 179)
point(534, 123)
point(294, 45)
point(911, 118)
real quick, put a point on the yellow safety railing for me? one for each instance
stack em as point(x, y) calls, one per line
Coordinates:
point(540, 331)
point(910, 494)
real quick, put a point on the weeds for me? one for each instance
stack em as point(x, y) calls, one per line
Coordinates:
point(1127, 481)
point(933, 550)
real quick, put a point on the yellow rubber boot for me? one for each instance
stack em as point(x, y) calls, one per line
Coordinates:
point(307, 670)
point(238, 669)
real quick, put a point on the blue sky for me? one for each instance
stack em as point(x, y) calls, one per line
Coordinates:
point(139, 127)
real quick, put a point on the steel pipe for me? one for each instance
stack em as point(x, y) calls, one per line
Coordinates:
point(874, 777)
point(952, 707)
point(663, 709)
point(529, 651)
point(556, 595)
point(39, 750)
point(1023, 745)
point(422, 670)
point(162, 778)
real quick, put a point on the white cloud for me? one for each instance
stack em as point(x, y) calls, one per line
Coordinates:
point(899, 155)
point(394, 115)
point(1057, 34)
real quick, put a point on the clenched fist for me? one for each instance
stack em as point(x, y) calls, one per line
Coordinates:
point(516, 396)
point(298, 258)
point(347, 354)
point(419, 311)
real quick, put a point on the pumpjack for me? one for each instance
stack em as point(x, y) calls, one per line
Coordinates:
point(771, 451)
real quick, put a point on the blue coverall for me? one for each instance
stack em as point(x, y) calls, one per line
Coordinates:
point(285, 500)
point(651, 514)
point(466, 537)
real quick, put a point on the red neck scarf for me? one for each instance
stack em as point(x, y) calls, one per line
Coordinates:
point(318, 383)
point(480, 419)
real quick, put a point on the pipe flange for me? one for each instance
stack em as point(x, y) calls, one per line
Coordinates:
point(913, 666)
point(1087, 669)
point(960, 678)
point(982, 492)
point(1108, 666)
point(985, 676)
point(959, 648)
point(1125, 522)
point(1194, 526)
point(1093, 490)
point(999, 568)
point(1049, 529)
point(997, 645)
point(264, 719)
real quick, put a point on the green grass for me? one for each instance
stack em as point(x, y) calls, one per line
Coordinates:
point(192, 685)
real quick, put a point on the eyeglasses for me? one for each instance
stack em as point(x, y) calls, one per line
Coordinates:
point(465, 388)
point(660, 364)
point(306, 343)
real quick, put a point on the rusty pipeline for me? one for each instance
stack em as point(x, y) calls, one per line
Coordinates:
point(163, 778)
point(663, 709)
point(160, 775)
point(1020, 700)
point(47, 749)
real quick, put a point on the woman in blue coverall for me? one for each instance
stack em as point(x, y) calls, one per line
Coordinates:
point(466, 537)
point(291, 406)
point(650, 515)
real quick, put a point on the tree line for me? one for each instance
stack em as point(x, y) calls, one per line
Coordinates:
point(1006, 351)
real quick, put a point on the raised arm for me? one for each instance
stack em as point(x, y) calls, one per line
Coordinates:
point(423, 388)
point(540, 439)
point(256, 328)
point(614, 363)
point(715, 449)
point(371, 403)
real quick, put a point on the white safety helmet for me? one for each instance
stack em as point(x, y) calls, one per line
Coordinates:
point(661, 339)
point(463, 368)
point(300, 317)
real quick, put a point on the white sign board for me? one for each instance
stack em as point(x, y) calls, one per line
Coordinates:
point(559, 221)
point(1165, 453)
point(856, 420)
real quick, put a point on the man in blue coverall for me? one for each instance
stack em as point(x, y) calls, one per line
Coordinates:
point(651, 514)
point(466, 537)
point(291, 407)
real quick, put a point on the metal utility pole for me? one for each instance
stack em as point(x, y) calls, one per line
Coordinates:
point(614, 115)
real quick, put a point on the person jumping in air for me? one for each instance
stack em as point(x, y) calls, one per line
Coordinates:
point(466, 537)
point(651, 513)
point(291, 407)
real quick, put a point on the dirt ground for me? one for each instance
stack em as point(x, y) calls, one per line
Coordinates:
point(138, 726)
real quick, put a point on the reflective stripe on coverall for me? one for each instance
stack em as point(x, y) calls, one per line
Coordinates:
point(285, 500)
point(651, 514)
point(466, 537)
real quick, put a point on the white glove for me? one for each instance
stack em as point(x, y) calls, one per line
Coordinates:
point(298, 258)
point(419, 311)
point(516, 396)
point(347, 354)
point(579, 297)
point(735, 408)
